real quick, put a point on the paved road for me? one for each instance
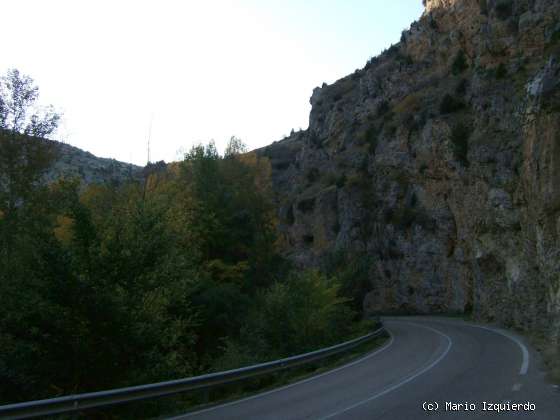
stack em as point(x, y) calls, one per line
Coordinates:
point(427, 360)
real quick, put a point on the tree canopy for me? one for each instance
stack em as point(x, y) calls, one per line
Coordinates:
point(115, 285)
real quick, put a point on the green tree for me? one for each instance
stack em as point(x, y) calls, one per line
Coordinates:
point(149, 280)
point(23, 160)
point(235, 147)
point(229, 216)
point(229, 224)
point(30, 260)
point(303, 313)
point(19, 112)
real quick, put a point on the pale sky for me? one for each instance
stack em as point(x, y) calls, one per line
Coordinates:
point(200, 70)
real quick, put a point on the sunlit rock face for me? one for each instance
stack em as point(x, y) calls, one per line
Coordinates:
point(440, 159)
point(432, 5)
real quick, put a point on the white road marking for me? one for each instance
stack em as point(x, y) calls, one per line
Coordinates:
point(524, 351)
point(516, 387)
point(522, 371)
point(403, 382)
point(312, 378)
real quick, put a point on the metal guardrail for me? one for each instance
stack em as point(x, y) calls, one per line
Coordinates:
point(80, 402)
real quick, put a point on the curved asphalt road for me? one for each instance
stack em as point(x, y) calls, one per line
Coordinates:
point(427, 360)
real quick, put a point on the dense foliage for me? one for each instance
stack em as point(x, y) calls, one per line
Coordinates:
point(111, 285)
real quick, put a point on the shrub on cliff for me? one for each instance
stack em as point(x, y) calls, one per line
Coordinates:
point(459, 139)
point(501, 71)
point(312, 175)
point(483, 7)
point(461, 87)
point(504, 9)
point(449, 104)
point(459, 63)
point(407, 216)
point(371, 136)
point(383, 108)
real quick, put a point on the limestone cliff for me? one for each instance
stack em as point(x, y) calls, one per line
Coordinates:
point(441, 160)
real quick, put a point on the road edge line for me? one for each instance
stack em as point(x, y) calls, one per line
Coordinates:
point(403, 382)
point(263, 394)
point(524, 350)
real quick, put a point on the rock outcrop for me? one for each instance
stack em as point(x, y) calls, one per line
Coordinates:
point(440, 159)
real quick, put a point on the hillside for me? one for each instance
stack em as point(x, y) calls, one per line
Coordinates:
point(440, 161)
point(73, 162)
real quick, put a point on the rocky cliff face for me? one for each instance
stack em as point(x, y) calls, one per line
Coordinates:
point(441, 160)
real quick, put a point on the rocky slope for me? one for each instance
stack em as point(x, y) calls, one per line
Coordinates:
point(441, 160)
point(72, 162)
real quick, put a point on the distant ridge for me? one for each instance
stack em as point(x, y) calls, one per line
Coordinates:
point(73, 162)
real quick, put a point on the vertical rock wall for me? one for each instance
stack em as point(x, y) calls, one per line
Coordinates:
point(440, 160)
